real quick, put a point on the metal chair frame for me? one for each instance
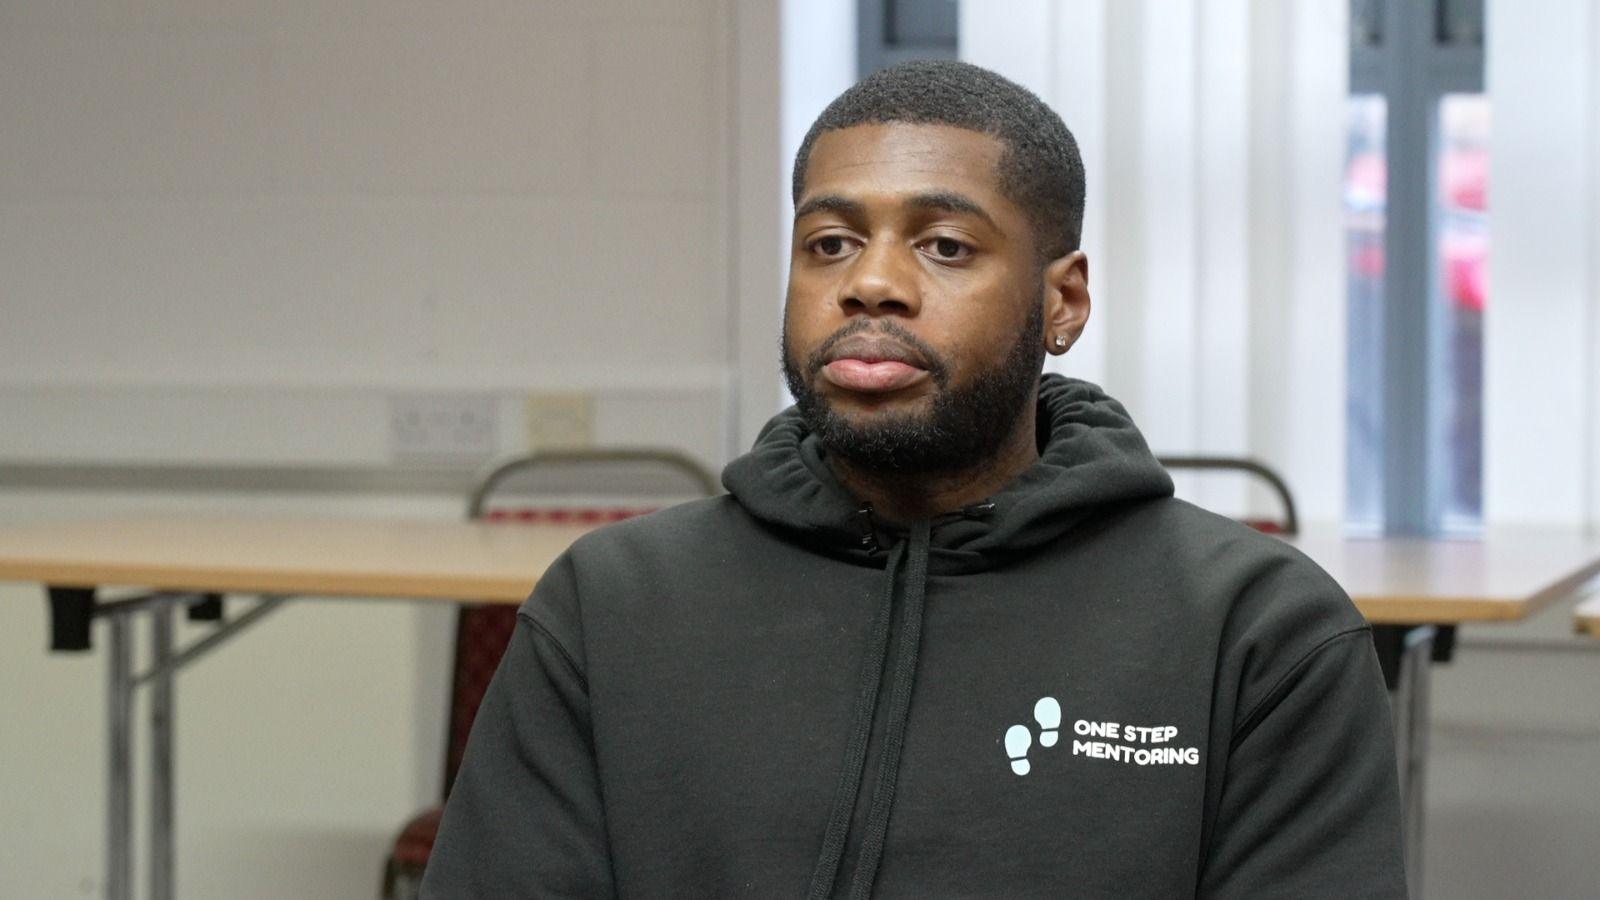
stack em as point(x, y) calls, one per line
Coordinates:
point(1291, 520)
point(503, 469)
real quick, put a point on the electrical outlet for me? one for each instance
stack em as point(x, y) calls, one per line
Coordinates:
point(560, 421)
point(443, 428)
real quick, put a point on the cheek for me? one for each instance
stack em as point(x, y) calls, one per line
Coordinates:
point(794, 324)
point(802, 331)
point(808, 290)
point(975, 314)
point(806, 309)
point(979, 328)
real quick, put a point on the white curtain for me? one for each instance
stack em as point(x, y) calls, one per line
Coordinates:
point(1213, 134)
point(1542, 327)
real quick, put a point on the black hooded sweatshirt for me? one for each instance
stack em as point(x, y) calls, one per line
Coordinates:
point(1080, 688)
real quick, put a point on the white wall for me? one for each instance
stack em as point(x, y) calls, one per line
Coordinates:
point(792, 58)
point(229, 233)
point(349, 196)
point(759, 228)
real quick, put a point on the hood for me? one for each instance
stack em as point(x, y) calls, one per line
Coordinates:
point(1090, 457)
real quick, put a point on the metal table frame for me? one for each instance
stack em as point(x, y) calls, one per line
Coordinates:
point(1406, 654)
point(72, 612)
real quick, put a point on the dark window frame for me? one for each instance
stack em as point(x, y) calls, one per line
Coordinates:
point(879, 43)
point(1399, 49)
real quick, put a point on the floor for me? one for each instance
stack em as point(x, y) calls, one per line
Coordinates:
point(1514, 784)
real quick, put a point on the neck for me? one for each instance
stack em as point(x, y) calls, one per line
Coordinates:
point(902, 497)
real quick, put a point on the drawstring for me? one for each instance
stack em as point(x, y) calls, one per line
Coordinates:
point(848, 790)
point(905, 673)
point(855, 754)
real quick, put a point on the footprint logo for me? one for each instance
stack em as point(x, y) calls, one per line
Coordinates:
point(1018, 740)
point(1047, 712)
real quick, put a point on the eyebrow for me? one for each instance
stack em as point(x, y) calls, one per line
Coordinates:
point(950, 202)
point(929, 201)
point(829, 203)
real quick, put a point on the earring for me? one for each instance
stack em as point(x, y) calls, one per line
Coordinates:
point(1061, 342)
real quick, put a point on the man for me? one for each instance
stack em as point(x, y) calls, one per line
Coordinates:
point(950, 634)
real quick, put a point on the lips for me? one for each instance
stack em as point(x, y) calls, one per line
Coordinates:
point(873, 365)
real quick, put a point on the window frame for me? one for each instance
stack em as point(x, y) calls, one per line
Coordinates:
point(1413, 70)
point(876, 45)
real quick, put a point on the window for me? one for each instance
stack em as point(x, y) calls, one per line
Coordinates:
point(1365, 199)
point(1416, 207)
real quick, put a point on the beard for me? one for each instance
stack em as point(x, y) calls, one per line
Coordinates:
point(966, 425)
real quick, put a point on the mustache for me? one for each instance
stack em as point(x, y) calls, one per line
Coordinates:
point(938, 369)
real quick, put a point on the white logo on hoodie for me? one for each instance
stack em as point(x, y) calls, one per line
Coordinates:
point(1047, 712)
point(1142, 745)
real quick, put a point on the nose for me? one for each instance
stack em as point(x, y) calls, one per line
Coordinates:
point(881, 281)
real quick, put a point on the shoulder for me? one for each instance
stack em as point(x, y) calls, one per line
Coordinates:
point(602, 565)
point(1269, 601)
point(1223, 555)
point(1267, 614)
point(686, 527)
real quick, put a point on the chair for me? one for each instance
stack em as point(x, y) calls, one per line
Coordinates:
point(484, 630)
point(1288, 525)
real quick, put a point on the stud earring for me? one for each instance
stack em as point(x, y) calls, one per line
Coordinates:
point(1061, 342)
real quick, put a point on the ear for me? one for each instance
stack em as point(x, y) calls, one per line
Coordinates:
point(1066, 301)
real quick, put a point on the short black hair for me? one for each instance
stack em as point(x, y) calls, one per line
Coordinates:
point(1039, 169)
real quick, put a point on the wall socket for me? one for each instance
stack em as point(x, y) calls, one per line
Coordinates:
point(443, 427)
point(560, 421)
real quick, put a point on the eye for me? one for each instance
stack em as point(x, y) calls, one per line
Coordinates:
point(946, 249)
point(830, 246)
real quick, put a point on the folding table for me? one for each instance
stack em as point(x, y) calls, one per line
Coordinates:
point(191, 562)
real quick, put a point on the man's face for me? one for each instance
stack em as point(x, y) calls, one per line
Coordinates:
point(913, 326)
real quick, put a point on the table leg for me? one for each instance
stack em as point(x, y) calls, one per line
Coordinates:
point(72, 610)
point(119, 797)
point(1409, 697)
point(161, 753)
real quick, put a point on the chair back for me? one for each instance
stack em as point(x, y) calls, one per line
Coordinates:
point(1289, 524)
point(628, 473)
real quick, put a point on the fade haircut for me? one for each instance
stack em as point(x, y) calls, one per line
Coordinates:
point(1039, 168)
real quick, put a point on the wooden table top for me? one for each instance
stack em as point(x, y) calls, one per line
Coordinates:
point(1507, 575)
point(417, 559)
point(1586, 617)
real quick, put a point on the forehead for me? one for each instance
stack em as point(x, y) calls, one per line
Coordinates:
point(903, 157)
